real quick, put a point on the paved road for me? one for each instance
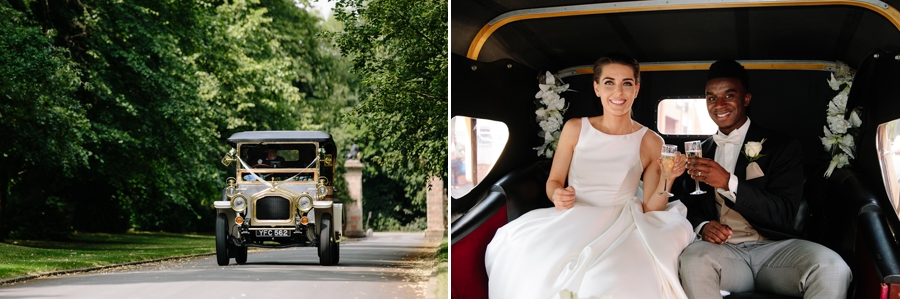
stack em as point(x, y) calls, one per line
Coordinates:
point(386, 265)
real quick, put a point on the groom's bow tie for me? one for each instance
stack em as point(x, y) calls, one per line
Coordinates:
point(722, 139)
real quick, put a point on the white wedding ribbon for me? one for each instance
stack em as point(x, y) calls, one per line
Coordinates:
point(258, 178)
point(304, 169)
point(253, 173)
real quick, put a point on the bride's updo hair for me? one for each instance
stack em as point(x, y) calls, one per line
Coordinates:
point(620, 59)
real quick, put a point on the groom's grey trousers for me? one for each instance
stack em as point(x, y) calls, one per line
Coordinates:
point(788, 267)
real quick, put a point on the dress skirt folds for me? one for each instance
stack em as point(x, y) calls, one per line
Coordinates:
point(603, 247)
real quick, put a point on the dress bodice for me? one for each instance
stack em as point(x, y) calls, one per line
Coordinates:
point(605, 169)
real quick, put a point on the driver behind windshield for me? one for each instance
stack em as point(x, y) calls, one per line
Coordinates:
point(272, 159)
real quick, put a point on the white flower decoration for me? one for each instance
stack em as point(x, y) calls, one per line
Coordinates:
point(549, 114)
point(834, 83)
point(838, 124)
point(839, 139)
point(854, 119)
point(752, 149)
point(566, 294)
point(838, 161)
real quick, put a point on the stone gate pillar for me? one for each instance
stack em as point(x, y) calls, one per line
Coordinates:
point(436, 210)
point(354, 212)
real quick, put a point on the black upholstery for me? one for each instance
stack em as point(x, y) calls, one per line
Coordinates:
point(803, 217)
point(480, 213)
point(835, 203)
point(524, 189)
point(877, 235)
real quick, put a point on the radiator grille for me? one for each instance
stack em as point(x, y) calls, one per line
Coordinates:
point(273, 208)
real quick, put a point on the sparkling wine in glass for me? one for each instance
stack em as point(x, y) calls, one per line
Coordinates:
point(668, 163)
point(692, 150)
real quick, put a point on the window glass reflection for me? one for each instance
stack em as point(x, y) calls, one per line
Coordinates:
point(888, 144)
point(475, 145)
point(686, 116)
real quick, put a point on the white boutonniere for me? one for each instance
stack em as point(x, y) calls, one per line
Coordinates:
point(752, 149)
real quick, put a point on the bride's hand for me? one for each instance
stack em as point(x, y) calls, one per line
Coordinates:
point(679, 167)
point(564, 199)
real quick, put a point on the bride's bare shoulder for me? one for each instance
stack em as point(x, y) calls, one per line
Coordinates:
point(651, 143)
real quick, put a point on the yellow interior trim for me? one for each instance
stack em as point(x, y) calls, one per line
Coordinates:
point(703, 66)
point(889, 13)
point(750, 65)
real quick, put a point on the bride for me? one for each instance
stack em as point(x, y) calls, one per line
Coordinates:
point(600, 240)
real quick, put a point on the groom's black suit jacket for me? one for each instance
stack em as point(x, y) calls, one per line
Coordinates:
point(769, 203)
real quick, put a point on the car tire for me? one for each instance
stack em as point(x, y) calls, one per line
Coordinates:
point(335, 253)
point(222, 240)
point(325, 244)
point(240, 256)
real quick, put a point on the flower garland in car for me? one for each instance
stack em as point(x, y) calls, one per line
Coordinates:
point(549, 113)
point(840, 133)
point(566, 294)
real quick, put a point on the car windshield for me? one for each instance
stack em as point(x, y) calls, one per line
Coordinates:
point(282, 155)
point(301, 177)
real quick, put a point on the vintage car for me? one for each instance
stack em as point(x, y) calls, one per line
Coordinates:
point(281, 195)
point(790, 48)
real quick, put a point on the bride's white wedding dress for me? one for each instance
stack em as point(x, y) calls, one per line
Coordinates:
point(603, 247)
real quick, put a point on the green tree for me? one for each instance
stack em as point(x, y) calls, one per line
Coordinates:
point(42, 125)
point(321, 74)
point(396, 199)
point(153, 133)
point(124, 105)
point(399, 48)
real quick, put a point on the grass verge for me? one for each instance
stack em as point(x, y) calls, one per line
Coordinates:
point(87, 250)
point(440, 262)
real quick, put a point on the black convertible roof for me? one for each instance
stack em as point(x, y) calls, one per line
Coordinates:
point(279, 136)
point(560, 34)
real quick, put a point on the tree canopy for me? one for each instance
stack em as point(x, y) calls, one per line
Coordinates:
point(399, 48)
point(114, 114)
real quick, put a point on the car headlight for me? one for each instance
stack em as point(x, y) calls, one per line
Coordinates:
point(238, 203)
point(321, 191)
point(304, 202)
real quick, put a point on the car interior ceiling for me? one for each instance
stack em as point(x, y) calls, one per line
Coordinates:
point(828, 32)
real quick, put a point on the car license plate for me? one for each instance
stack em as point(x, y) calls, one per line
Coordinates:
point(273, 233)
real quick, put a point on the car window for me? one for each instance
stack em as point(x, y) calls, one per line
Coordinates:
point(888, 143)
point(684, 116)
point(293, 155)
point(302, 177)
point(473, 141)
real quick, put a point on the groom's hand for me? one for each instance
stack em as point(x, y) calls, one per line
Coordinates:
point(715, 232)
point(708, 171)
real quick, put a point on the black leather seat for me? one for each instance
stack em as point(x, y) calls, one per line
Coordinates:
point(524, 189)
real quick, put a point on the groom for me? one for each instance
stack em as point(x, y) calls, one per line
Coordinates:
point(753, 178)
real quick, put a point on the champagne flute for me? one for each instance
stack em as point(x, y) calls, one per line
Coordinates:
point(692, 150)
point(668, 163)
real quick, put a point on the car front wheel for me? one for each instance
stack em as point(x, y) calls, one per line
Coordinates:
point(241, 255)
point(222, 240)
point(335, 253)
point(325, 244)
